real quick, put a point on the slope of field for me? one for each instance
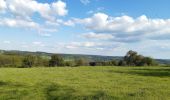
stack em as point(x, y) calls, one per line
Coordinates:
point(85, 83)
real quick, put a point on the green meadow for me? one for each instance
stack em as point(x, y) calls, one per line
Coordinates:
point(85, 83)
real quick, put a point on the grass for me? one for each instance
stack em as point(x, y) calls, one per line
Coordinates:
point(85, 83)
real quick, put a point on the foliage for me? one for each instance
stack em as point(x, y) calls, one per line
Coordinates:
point(122, 63)
point(70, 63)
point(133, 59)
point(16, 59)
point(29, 61)
point(56, 60)
point(104, 63)
point(81, 62)
point(10, 61)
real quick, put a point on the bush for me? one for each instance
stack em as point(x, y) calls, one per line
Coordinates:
point(10, 61)
point(70, 63)
point(28, 61)
point(81, 62)
point(56, 60)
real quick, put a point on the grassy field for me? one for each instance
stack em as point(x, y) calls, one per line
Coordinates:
point(85, 83)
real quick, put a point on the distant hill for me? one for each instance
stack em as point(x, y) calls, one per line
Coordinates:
point(74, 56)
point(163, 61)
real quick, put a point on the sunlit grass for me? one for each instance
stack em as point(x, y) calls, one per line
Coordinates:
point(85, 83)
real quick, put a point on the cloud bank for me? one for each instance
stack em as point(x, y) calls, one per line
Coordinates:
point(125, 28)
point(20, 14)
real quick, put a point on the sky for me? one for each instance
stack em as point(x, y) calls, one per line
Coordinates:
point(96, 27)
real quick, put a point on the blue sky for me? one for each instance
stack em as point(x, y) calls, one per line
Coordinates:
point(97, 27)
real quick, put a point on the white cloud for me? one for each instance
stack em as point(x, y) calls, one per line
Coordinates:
point(21, 12)
point(82, 45)
point(28, 24)
point(60, 22)
point(2, 5)
point(60, 8)
point(45, 11)
point(18, 23)
point(70, 47)
point(39, 44)
point(99, 9)
point(25, 46)
point(68, 23)
point(45, 34)
point(27, 8)
point(126, 28)
point(85, 2)
point(7, 42)
point(91, 45)
point(22, 7)
point(100, 36)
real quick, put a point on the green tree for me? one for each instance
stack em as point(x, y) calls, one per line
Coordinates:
point(28, 61)
point(56, 60)
point(70, 63)
point(40, 61)
point(147, 61)
point(81, 62)
point(132, 58)
point(113, 63)
point(10, 60)
point(122, 63)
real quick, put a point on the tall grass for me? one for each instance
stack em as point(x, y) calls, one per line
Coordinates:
point(85, 83)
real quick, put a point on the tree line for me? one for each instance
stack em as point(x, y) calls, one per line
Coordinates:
point(132, 58)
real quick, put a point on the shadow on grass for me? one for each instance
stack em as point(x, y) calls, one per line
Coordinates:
point(3, 83)
point(10, 84)
point(57, 92)
point(9, 90)
point(50, 91)
point(156, 72)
